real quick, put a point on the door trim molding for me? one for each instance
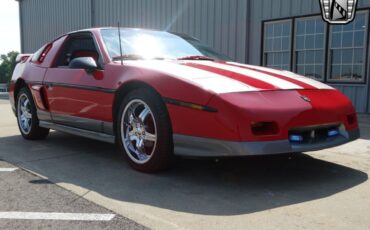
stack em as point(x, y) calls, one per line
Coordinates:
point(83, 87)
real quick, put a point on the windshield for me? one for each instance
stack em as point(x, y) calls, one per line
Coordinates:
point(147, 44)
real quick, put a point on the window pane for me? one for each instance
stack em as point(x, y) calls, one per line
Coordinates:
point(320, 26)
point(286, 43)
point(347, 56)
point(277, 44)
point(310, 57)
point(300, 69)
point(359, 38)
point(285, 67)
point(346, 71)
point(300, 57)
point(337, 28)
point(285, 58)
point(336, 40)
point(358, 55)
point(277, 30)
point(357, 72)
point(319, 42)
point(277, 58)
point(300, 42)
point(270, 59)
point(309, 71)
point(347, 39)
point(337, 56)
point(269, 31)
point(348, 27)
point(335, 72)
point(310, 27)
point(310, 39)
point(268, 44)
point(319, 71)
point(301, 27)
point(319, 57)
point(286, 29)
point(360, 22)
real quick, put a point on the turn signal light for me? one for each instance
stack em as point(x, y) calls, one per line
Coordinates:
point(264, 128)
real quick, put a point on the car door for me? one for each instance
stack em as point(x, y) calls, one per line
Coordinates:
point(75, 96)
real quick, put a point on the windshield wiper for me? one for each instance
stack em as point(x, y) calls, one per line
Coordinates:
point(135, 57)
point(196, 57)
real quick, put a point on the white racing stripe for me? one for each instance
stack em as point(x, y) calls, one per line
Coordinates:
point(280, 83)
point(288, 74)
point(56, 216)
point(207, 80)
point(7, 169)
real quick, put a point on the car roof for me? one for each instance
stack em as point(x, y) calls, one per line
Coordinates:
point(97, 29)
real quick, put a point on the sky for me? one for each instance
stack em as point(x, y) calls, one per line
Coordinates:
point(9, 26)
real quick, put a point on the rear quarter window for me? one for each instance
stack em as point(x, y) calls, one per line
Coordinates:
point(40, 54)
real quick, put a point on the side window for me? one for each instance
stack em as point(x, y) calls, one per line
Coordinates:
point(40, 55)
point(77, 46)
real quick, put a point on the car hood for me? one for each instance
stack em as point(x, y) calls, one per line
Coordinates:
point(229, 77)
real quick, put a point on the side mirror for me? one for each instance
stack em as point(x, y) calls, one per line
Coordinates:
point(87, 63)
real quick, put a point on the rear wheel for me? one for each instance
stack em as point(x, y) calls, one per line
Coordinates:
point(144, 131)
point(28, 123)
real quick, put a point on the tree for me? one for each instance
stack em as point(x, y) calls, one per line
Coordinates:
point(7, 65)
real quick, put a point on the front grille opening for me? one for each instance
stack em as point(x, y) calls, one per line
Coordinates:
point(312, 135)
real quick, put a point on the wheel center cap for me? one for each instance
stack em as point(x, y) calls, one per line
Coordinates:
point(138, 129)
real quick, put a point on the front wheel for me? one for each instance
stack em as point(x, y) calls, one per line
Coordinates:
point(144, 131)
point(28, 122)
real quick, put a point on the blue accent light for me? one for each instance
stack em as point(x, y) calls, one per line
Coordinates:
point(333, 133)
point(296, 138)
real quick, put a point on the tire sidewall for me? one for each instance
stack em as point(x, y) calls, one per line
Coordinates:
point(35, 132)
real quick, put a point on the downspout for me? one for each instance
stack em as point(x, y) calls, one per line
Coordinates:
point(248, 34)
point(21, 25)
point(92, 13)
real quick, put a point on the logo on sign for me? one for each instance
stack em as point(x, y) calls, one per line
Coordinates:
point(338, 11)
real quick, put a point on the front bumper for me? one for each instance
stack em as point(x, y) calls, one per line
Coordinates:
point(204, 147)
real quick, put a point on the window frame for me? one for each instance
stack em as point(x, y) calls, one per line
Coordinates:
point(365, 81)
point(294, 44)
point(365, 54)
point(264, 56)
point(72, 36)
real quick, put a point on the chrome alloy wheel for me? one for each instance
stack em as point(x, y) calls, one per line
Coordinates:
point(138, 131)
point(24, 113)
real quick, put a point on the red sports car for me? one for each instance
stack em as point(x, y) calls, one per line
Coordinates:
point(159, 94)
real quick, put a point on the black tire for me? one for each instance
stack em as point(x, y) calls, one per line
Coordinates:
point(35, 132)
point(161, 150)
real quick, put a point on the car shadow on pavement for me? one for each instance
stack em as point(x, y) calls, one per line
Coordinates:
point(364, 123)
point(226, 187)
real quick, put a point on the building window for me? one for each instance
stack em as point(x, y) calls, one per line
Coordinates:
point(309, 52)
point(347, 50)
point(277, 48)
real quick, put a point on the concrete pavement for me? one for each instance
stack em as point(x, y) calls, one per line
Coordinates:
point(321, 190)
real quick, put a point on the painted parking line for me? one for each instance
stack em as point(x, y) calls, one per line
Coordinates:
point(56, 216)
point(7, 169)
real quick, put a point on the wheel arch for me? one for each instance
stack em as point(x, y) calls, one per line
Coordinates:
point(20, 83)
point(125, 89)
